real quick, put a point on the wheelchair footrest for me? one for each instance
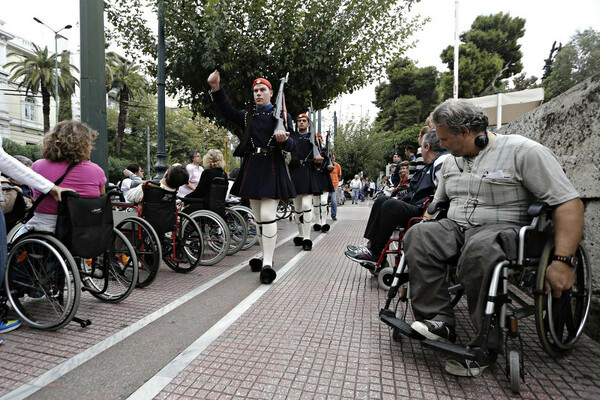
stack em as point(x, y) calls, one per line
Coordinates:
point(389, 318)
point(452, 349)
point(82, 322)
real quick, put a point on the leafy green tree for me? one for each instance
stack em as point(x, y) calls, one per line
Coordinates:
point(408, 97)
point(576, 61)
point(522, 82)
point(36, 73)
point(183, 134)
point(489, 55)
point(550, 60)
point(329, 48)
point(130, 84)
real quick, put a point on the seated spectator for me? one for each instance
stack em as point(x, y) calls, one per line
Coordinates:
point(69, 143)
point(134, 175)
point(195, 170)
point(388, 213)
point(18, 197)
point(13, 168)
point(490, 183)
point(213, 168)
point(173, 178)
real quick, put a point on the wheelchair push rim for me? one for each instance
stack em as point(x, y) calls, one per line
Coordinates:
point(42, 282)
point(560, 322)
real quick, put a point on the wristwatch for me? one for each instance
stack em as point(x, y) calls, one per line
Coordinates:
point(571, 261)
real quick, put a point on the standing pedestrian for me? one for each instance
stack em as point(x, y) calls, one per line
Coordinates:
point(355, 186)
point(336, 175)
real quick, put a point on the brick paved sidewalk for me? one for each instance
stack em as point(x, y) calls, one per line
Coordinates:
point(316, 334)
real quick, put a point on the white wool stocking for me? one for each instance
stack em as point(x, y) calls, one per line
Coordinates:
point(320, 208)
point(303, 203)
point(265, 211)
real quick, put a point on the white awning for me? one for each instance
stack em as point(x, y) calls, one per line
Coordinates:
point(506, 107)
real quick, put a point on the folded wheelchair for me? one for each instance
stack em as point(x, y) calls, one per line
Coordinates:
point(559, 322)
point(45, 277)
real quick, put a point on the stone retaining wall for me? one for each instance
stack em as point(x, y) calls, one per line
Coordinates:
point(570, 126)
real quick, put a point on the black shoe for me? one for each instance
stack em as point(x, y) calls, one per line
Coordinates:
point(267, 275)
point(256, 264)
point(361, 255)
point(298, 241)
point(468, 368)
point(435, 330)
point(307, 244)
point(317, 227)
point(325, 228)
point(334, 218)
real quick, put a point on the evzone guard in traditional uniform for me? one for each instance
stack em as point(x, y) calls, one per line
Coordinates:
point(303, 170)
point(263, 178)
point(324, 178)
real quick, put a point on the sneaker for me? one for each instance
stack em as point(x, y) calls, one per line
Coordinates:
point(361, 255)
point(435, 330)
point(466, 368)
point(9, 325)
point(333, 217)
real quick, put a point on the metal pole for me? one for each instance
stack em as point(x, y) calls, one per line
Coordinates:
point(335, 128)
point(93, 81)
point(456, 48)
point(161, 154)
point(148, 150)
point(319, 119)
point(56, 74)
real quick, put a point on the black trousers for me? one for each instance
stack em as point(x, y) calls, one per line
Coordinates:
point(386, 214)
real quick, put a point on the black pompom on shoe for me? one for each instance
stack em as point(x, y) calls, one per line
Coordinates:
point(325, 228)
point(267, 275)
point(298, 241)
point(307, 244)
point(317, 227)
point(256, 264)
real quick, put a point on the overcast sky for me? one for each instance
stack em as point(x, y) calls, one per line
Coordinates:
point(547, 21)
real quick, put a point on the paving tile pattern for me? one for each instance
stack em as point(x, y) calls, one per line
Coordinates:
point(27, 353)
point(316, 335)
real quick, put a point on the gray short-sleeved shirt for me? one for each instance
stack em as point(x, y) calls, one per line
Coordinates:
point(500, 183)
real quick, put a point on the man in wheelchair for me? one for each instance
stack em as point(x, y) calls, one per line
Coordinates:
point(388, 213)
point(489, 183)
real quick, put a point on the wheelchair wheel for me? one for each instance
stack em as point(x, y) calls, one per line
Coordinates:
point(112, 276)
point(514, 371)
point(237, 230)
point(146, 243)
point(385, 278)
point(251, 227)
point(42, 281)
point(215, 236)
point(283, 210)
point(11, 234)
point(188, 250)
point(560, 322)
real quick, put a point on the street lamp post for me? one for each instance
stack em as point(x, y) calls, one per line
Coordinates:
point(55, 61)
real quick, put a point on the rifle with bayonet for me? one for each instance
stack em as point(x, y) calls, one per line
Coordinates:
point(313, 139)
point(278, 111)
point(328, 152)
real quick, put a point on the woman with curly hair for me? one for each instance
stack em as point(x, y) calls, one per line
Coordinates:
point(213, 168)
point(70, 142)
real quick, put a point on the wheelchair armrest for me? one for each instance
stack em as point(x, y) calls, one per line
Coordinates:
point(436, 206)
point(537, 209)
point(66, 194)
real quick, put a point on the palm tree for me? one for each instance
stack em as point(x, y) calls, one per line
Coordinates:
point(37, 74)
point(130, 84)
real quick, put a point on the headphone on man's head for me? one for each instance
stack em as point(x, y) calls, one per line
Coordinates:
point(482, 140)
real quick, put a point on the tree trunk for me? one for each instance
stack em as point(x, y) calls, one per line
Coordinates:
point(46, 108)
point(123, 107)
point(493, 82)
